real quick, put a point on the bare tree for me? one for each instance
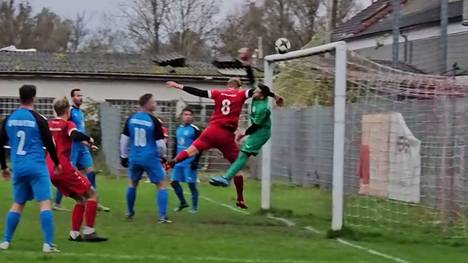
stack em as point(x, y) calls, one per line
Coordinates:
point(79, 32)
point(146, 20)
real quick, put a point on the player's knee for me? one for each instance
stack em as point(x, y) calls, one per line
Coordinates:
point(89, 170)
point(17, 207)
point(91, 194)
point(45, 205)
point(175, 183)
point(132, 183)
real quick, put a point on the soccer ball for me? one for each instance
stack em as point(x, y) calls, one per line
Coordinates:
point(282, 45)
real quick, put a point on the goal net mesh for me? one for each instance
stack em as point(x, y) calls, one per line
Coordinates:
point(406, 135)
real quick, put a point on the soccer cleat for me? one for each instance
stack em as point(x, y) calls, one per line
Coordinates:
point(241, 204)
point(219, 181)
point(193, 211)
point(130, 216)
point(58, 207)
point(102, 208)
point(4, 245)
point(76, 239)
point(93, 237)
point(180, 207)
point(164, 220)
point(50, 248)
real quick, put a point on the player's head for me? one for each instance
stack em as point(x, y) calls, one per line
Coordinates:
point(261, 92)
point(147, 102)
point(62, 108)
point(27, 94)
point(234, 83)
point(77, 97)
point(187, 115)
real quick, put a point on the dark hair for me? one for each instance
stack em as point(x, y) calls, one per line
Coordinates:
point(144, 99)
point(187, 109)
point(61, 106)
point(265, 89)
point(72, 93)
point(27, 93)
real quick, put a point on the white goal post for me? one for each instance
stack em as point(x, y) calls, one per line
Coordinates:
point(339, 126)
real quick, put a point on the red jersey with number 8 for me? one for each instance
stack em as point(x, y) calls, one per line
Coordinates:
point(228, 107)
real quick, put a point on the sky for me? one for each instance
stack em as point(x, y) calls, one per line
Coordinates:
point(96, 9)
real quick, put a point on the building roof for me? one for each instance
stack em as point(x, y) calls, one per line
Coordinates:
point(87, 65)
point(376, 19)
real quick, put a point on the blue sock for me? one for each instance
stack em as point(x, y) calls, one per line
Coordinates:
point(131, 195)
point(47, 225)
point(92, 178)
point(179, 191)
point(162, 202)
point(194, 191)
point(58, 197)
point(11, 222)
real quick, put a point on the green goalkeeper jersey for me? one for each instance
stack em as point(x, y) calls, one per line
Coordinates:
point(260, 115)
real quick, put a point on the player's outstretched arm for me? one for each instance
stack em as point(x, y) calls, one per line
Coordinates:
point(189, 90)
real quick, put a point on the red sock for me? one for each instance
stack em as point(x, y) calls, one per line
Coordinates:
point(90, 213)
point(181, 156)
point(239, 183)
point(77, 216)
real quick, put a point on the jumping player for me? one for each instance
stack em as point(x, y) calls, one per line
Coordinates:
point(224, 120)
point(71, 182)
point(186, 171)
point(258, 134)
point(141, 145)
point(27, 133)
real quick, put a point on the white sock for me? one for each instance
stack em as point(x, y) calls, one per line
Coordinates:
point(88, 230)
point(74, 234)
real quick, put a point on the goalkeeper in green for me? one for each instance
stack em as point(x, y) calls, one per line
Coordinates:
point(258, 133)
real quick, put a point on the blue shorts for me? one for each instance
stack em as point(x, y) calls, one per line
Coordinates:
point(31, 186)
point(81, 157)
point(184, 174)
point(154, 171)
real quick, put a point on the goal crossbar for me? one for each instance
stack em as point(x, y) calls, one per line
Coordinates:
point(338, 131)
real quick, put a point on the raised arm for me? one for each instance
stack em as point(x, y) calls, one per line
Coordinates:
point(189, 90)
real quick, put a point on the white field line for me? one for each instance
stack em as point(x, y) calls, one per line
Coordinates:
point(290, 223)
point(150, 257)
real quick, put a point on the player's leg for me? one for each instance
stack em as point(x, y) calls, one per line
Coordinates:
point(89, 231)
point(11, 222)
point(232, 171)
point(176, 178)
point(191, 178)
point(204, 142)
point(156, 175)
point(86, 161)
point(22, 192)
point(134, 174)
point(77, 219)
point(192, 150)
point(40, 185)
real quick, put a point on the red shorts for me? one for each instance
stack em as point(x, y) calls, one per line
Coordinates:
point(70, 181)
point(220, 138)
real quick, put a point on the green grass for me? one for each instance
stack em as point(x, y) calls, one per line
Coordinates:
point(215, 234)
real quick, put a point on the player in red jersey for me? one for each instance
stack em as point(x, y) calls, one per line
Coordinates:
point(223, 123)
point(70, 181)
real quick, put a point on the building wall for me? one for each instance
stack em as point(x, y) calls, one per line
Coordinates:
point(102, 90)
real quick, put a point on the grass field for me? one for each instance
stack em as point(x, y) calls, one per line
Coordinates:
point(218, 233)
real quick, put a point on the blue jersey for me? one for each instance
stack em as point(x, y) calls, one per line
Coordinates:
point(186, 134)
point(27, 133)
point(77, 117)
point(144, 130)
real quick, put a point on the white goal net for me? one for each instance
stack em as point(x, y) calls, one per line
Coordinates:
point(397, 162)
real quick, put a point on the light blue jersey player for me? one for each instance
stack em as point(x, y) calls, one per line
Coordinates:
point(27, 132)
point(186, 171)
point(80, 155)
point(141, 148)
